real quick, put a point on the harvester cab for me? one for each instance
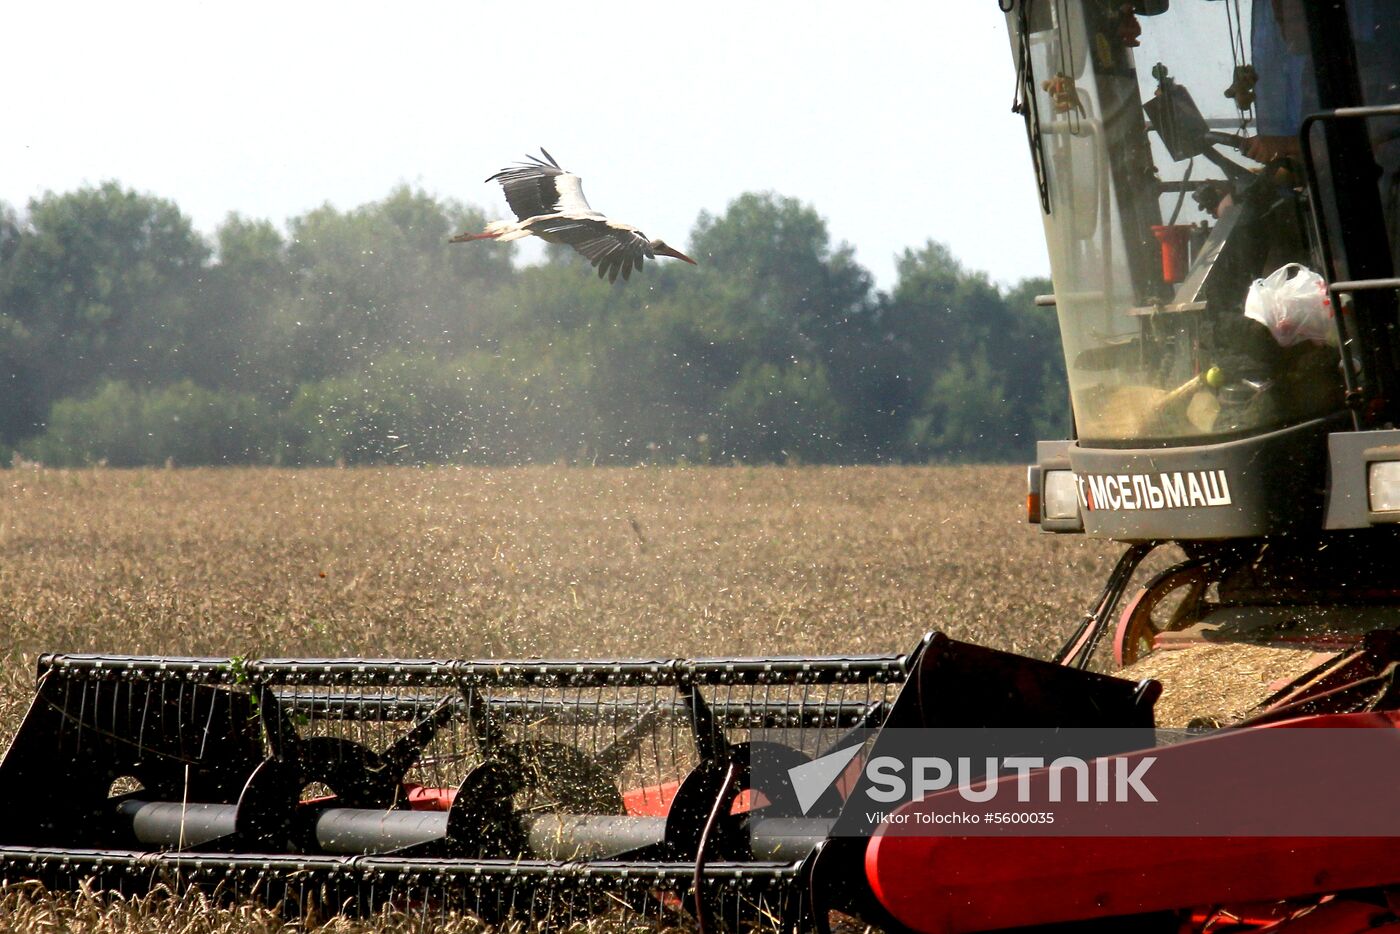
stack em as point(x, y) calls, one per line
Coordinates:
point(1219, 184)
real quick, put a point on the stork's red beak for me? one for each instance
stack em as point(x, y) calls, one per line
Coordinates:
point(665, 250)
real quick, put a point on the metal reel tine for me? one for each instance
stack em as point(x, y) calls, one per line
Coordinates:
point(82, 716)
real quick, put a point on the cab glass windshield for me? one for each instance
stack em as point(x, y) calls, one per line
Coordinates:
point(1165, 137)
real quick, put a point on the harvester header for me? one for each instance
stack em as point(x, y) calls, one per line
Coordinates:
point(1220, 187)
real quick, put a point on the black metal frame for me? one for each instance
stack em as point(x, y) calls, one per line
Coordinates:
point(220, 716)
point(1368, 334)
point(404, 673)
point(229, 730)
point(1359, 252)
point(550, 893)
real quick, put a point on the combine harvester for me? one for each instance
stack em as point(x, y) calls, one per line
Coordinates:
point(1249, 423)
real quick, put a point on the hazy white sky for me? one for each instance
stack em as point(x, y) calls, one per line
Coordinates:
point(891, 118)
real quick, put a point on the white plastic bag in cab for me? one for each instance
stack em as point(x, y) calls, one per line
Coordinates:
point(1294, 309)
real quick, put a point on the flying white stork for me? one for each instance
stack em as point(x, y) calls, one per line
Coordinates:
point(549, 204)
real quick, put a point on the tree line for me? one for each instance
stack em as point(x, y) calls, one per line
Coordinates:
point(361, 336)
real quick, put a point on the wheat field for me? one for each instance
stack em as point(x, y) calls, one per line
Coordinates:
point(543, 561)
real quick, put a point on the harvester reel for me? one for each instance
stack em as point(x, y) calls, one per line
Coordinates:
point(697, 794)
point(557, 777)
point(268, 778)
point(357, 775)
point(482, 822)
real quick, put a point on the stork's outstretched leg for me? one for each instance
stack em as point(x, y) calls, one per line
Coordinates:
point(496, 230)
point(484, 235)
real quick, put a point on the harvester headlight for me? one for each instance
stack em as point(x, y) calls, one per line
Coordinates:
point(1384, 486)
point(1061, 497)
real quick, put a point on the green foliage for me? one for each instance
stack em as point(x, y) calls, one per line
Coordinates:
point(94, 284)
point(964, 415)
point(985, 367)
point(182, 424)
point(364, 337)
point(384, 277)
point(776, 257)
point(1043, 387)
point(775, 413)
